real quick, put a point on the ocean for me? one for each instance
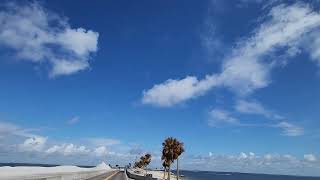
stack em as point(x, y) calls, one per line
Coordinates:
point(209, 175)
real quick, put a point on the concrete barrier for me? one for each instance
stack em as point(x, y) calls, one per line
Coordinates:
point(133, 175)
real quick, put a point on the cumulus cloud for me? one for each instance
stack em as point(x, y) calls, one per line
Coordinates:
point(68, 149)
point(33, 144)
point(21, 144)
point(243, 155)
point(101, 151)
point(253, 163)
point(40, 36)
point(174, 91)
point(219, 116)
point(310, 157)
point(251, 61)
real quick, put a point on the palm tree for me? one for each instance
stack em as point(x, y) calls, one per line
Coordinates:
point(168, 152)
point(179, 149)
point(143, 162)
point(165, 165)
point(172, 149)
point(147, 159)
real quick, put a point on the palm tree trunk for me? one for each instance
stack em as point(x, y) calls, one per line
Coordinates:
point(178, 168)
point(169, 173)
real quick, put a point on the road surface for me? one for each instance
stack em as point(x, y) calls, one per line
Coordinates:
point(115, 175)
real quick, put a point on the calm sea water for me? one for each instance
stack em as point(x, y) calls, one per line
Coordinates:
point(208, 175)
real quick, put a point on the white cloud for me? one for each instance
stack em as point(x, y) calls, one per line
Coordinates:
point(66, 67)
point(54, 149)
point(33, 144)
point(101, 151)
point(41, 36)
point(219, 116)
point(9, 129)
point(80, 41)
point(21, 144)
point(243, 155)
point(290, 129)
point(73, 120)
point(173, 91)
point(251, 155)
point(254, 107)
point(250, 107)
point(68, 149)
point(312, 45)
point(252, 163)
point(72, 149)
point(310, 157)
point(249, 65)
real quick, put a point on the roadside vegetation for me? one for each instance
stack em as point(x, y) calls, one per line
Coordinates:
point(172, 148)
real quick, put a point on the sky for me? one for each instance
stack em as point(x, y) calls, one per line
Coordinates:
point(236, 81)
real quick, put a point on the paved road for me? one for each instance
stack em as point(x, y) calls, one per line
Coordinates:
point(119, 176)
point(104, 176)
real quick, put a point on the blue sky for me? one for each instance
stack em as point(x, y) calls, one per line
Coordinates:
point(236, 81)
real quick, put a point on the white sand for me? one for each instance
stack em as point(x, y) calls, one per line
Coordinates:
point(24, 172)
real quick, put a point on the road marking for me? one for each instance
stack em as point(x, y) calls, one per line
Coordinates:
point(111, 175)
point(125, 173)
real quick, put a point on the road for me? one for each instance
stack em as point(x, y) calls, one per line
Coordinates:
point(115, 175)
point(119, 176)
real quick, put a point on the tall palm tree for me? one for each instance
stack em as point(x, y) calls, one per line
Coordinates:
point(179, 149)
point(165, 166)
point(172, 149)
point(168, 152)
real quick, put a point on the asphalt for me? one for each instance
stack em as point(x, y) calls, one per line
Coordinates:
point(115, 175)
point(119, 176)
